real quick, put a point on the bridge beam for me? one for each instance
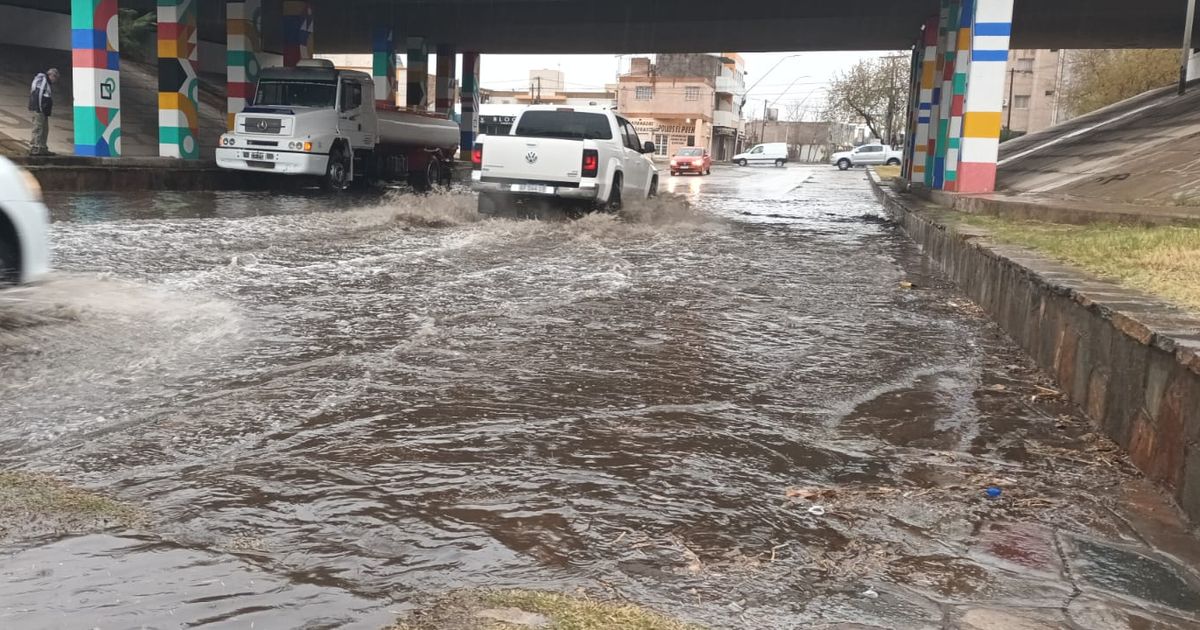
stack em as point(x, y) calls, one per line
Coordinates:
point(243, 32)
point(383, 67)
point(446, 80)
point(96, 76)
point(469, 123)
point(417, 96)
point(178, 86)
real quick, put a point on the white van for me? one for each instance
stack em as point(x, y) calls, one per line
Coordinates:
point(770, 153)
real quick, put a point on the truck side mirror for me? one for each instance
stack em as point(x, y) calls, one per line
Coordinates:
point(648, 147)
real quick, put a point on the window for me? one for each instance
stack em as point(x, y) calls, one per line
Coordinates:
point(691, 93)
point(661, 144)
point(756, 150)
point(644, 93)
point(870, 148)
point(296, 93)
point(564, 125)
point(1025, 65)
point(351, 96)
point(1021, 101)
point(629, 135)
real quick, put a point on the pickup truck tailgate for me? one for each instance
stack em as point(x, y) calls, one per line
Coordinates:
point(522, 159)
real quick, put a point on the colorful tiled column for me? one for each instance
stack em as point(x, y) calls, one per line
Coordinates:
point(469, 124)
point(383, 67)
point(927, 73)
point(962, 67)
point(96, 74)
point(446, 81)
point(989, 42)
point(418, 74)
point(178, 111)
point(948, 36)
point(243, 28)
point(297, 31)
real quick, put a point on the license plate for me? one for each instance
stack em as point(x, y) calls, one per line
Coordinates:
point(532, 188)
point(257, 155)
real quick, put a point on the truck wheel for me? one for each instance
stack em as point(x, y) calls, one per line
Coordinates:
point(490, 204)
point(614, 197)
point(337, 173)
point(425, 179)
point(653, 192)
point(10, 262)
point(843, 164)
point(893, 162)
point(741, 162)
point(779, 163)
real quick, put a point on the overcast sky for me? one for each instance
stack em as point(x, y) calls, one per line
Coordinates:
point(803, 77)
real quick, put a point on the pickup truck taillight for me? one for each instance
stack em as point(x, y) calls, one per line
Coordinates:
point(591, 163)
point(477, 157)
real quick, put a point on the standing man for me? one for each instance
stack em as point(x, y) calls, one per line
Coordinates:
point(41, 103)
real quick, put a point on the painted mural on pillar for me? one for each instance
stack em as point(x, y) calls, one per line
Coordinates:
point(447, 83)
point(243, 28)
point(469, 124)
point(962, 66)
point(96, 75)
point(946, 62)
point(989, 43)
point(297, 31)
point(178, 107)
point(925, 97)
point(384, 68)
point(418, 74)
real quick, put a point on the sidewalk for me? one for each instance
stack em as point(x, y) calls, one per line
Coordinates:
point(1060, 209)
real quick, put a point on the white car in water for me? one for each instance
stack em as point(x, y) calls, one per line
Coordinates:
point(24, 251)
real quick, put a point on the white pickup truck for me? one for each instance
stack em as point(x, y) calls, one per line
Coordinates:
point(867, 155)
point(590, 157)
point(317, 121)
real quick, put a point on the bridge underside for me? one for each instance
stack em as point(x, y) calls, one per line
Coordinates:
point(634, 26)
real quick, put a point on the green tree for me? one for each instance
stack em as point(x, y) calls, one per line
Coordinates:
point(1102, 77)
point(138, 34)
point(875, 92)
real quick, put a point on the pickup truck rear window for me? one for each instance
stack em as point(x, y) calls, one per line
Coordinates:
point(564, 125)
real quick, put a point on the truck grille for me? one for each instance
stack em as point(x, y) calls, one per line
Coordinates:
point(262, 125)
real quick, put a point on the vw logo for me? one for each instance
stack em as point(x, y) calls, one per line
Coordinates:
point(531, 157)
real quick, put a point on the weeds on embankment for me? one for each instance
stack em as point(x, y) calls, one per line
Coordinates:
point(1161, 260)
point(503, 610)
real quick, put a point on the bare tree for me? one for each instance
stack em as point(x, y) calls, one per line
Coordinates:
point(795, 111)
point(1102, 77)
point(875, 92)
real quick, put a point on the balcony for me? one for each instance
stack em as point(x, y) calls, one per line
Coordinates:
point(726, 119)
point(729, 85)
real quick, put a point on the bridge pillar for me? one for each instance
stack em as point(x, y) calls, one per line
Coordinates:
point(943, 93)
point(987, 27)
point(469, 123)
point(926, 69)
point(96, 75)
point(297, 31)
point(384, 68)
point(178, 108)
point(443, 102)
point(417, 96)
point(243, 32)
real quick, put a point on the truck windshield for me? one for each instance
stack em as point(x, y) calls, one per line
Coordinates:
point(564, 125)
point(296, 93)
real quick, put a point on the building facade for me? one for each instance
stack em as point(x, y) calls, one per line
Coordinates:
point(686, 100)
point(1033, 91)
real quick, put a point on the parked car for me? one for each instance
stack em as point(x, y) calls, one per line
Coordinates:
point(867, 155)
point(691, 160)
point(583, 156)
point(24, 252)
point(770, 153)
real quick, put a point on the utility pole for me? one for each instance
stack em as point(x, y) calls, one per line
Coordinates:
point(891, 101)
point(1012, 79)
point(1189, 22)
point(762, 137)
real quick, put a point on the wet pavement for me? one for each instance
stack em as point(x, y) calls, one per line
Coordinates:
point(727, 405)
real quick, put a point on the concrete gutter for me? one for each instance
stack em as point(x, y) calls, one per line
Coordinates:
point(1131, 361)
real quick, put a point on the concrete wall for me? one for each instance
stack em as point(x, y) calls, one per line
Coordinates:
point(1131, 362)
point(670, 98)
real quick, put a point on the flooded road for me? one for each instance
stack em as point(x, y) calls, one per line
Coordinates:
point(724, 405)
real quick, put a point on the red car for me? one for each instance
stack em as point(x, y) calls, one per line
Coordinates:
point(691, 160)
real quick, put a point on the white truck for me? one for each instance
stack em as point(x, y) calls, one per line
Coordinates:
point(24, 224)
point(317, 121)
point(588, 157)
point(867, 155)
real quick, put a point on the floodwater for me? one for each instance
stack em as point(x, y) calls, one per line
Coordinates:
point(724, 405)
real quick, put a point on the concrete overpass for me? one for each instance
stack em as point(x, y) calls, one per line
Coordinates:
point(960, 50)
